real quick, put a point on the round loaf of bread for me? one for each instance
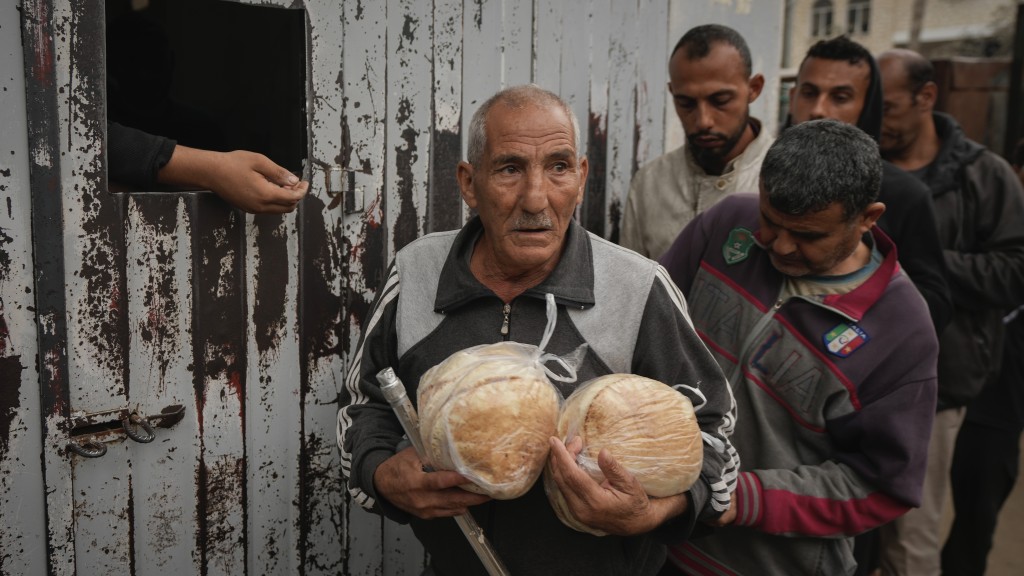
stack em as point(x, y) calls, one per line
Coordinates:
point(647, 427)
point(487, 412)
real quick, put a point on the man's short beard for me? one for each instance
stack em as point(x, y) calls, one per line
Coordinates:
point(712, 160)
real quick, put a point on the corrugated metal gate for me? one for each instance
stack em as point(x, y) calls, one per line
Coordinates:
point(231, 331)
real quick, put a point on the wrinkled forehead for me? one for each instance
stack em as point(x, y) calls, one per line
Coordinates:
point(529, 124)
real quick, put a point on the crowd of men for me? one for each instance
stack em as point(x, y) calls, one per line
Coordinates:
point(834, 299)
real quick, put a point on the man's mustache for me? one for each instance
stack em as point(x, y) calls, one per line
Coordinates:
point(533, 221)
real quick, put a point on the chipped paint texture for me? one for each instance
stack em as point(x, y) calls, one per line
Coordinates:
point(23, 538)
point(158, 265)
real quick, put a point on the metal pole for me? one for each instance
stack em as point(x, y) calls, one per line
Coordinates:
point(394, 391)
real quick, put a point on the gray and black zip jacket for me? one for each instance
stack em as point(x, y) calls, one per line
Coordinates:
point(633, 319)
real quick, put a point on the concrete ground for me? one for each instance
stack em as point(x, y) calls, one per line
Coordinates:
point(1007, 555)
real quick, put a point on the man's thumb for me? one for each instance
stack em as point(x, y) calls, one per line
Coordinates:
point(618, 477)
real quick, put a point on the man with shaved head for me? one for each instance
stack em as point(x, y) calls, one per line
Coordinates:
point(979, 205)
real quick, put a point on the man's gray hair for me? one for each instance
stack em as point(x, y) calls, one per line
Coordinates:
point(515, 97)
point(816, 163)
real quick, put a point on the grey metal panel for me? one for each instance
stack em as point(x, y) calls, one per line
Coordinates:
point(95, 291)
point(623, 52)
point(219, 384)
point(595, 205)
point(444, 202)
point(48, 267)
point(516, 42)
point(23, 538)
point(409, 41)
point(164, 472)
point(547, 48)
point(652, 75)
point(574, 73)
point(273, 413)
point(323, 321)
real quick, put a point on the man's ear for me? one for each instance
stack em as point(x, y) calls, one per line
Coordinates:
point(871, 215)
point(927, 96)
point(756, 84)
point(464, 174)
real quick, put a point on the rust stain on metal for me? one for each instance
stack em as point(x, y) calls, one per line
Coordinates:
point(318, 480)
point(220, 491)
point(159, 325)
point(271, 289)
point(597, 149)
point(370, 250)
point(321, 269)
point(103, 320)
point(444, 202)
point(10, 400)
point(39, 14)
point(5, 256)
point(406, 226)
point(615, 219)
point(217, 324)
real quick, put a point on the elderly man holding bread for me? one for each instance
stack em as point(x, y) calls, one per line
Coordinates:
point(523, 271)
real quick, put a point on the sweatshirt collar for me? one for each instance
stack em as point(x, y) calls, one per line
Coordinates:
point(858, 301)
point(855, 303)
point(571, 282)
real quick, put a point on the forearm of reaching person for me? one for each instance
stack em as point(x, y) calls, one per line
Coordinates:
point(247, 180)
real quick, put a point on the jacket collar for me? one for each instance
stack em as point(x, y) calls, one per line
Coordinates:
point(855, 303)
point(571, 282)
point(858, 301)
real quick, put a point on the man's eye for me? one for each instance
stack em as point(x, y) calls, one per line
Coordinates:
point(509, 169)
point(561, 166)
point(723, 101)
point(685, 103)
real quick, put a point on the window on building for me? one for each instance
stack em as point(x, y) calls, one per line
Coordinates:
point(821, 18)
point(858, 17)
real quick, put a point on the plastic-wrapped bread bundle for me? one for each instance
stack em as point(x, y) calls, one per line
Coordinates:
point(647, 427)
point(487, 412)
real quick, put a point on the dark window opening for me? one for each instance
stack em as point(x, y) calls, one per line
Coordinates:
point(821, 18)
point(858, 17)
point(210, 74)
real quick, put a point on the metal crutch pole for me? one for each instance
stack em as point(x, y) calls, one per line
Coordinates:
point(394, 391)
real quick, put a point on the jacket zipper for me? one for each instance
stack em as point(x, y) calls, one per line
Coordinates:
point(506, 311)
point(744, 350)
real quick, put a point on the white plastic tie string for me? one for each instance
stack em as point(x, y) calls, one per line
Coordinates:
point(551, 310)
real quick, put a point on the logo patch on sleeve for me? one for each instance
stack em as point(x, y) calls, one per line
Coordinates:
point(844, 339)
point(737, 245)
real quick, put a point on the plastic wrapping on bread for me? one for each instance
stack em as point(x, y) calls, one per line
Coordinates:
point(647, 427)
point(487, 412)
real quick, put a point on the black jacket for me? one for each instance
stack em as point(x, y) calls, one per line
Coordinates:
point(980, 208)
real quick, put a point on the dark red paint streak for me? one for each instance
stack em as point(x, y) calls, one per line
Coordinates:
point(219, 354)
point(597, 151)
